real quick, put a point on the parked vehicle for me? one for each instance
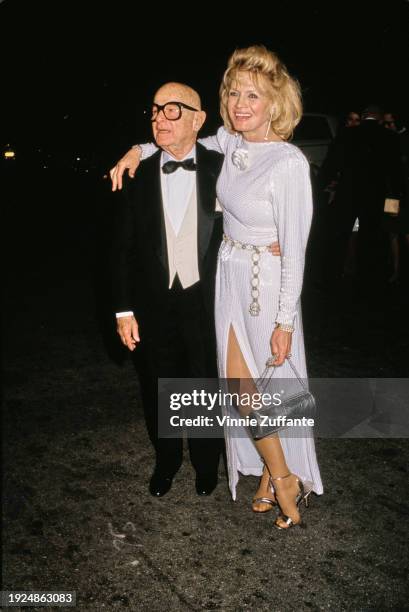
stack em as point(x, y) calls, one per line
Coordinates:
point(313, 135)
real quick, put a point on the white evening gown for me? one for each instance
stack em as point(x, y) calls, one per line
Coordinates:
point(267, 199)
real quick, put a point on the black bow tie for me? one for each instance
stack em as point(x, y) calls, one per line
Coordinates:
point(171, 166)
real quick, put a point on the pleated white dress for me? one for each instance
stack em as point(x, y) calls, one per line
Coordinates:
point(265, 193)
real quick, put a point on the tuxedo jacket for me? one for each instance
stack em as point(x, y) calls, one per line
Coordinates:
point(140, 268)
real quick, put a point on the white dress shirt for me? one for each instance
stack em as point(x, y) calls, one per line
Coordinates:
point(177, 189)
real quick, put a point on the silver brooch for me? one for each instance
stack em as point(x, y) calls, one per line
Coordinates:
point(240, 159)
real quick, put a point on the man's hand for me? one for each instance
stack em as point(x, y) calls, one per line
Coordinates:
point(130, 161)
point(280, 345)
point(274, 249)
point(128, 330)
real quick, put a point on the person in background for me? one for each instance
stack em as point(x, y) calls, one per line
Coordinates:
point(350, 120)
point(353, 119)
point(398, 225)
point(365, 162)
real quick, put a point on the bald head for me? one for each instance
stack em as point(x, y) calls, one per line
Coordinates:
point(177, 134)
point(178, 92)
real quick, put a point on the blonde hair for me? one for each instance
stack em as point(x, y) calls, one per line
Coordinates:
point(272, 77)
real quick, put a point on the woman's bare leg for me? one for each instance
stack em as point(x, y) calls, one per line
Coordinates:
point(269, 448)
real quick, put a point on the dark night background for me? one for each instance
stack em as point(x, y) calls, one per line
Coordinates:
point(76, 78)
point(78, 75)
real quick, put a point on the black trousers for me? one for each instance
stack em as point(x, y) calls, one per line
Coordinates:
point(372, 243)
point(178, 342)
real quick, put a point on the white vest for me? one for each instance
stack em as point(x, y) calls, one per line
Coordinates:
point(182, 247)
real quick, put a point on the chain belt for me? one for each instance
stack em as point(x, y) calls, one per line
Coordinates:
point(254, 308)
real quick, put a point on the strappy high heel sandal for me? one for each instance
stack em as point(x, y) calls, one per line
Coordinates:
point(302, 496)
point(265, 500)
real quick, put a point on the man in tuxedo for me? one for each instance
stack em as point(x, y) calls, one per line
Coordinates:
point(365, 165)
point(164, 259)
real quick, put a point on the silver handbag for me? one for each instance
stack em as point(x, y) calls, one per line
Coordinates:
point(271, 418)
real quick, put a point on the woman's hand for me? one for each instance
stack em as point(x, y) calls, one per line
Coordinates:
point(280, 345)
point(130, 161)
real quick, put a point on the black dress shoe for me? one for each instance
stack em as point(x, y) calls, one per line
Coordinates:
point(205, 485)
point(159, 485)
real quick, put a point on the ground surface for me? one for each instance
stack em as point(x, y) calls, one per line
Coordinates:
point(76, 511)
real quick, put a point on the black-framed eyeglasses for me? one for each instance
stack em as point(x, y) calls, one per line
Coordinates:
point(171, 110)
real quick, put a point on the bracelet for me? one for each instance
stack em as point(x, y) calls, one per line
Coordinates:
point(286, 328)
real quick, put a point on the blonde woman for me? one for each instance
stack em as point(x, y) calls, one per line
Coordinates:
point(265, 193)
